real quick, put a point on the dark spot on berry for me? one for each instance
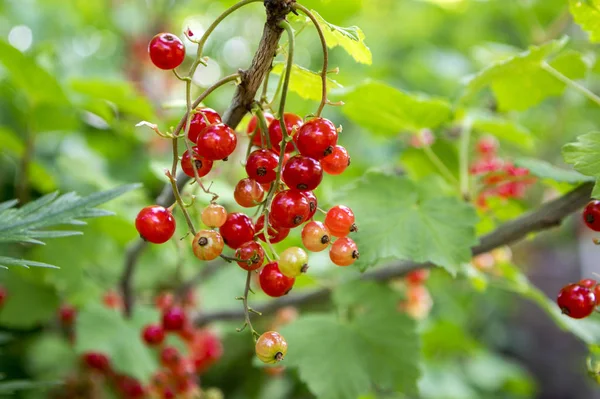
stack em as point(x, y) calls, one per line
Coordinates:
point(298, 219)
point(355, 255)
point(325, 239)
point(261, 171)
point(202, 241)
point(353, 228)
point(303, 186)
point(198, 164)
point(589, 218)
point(288, 291)
point(348, 161)
point(279, 356)
point(225, 159)
point(169, 38)
point(312, 206)
point(143, 238)
point(304, 268)
point(328, 151)
point(565, 311)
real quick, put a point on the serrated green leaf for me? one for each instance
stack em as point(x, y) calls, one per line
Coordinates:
point(305, 83)
point(587, 14)
point(583, 154)
point(387, 111)
point(351, 39)
point(504, 130)
point(419, 224)
point(545, 170)
point(105, 330)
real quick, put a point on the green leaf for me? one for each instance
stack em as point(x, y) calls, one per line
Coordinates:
point(305, 83)
point(587, 14)
point(419, 223)
point(520, 81)
point(6, 261)
point(387, 111)
point(351, 39)
point(51, 356)
point(105, 330)
point(545, 170)
point(504, 130)
point(583, 154)
point(9, 387)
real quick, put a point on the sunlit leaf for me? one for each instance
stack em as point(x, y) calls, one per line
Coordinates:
point(305, 83)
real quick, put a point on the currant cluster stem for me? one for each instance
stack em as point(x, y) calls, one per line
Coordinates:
point(465, 140)
point(583, 90)
point(247, 309)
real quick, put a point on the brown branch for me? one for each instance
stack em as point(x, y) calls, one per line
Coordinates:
point(240, 105)
point(547, 216)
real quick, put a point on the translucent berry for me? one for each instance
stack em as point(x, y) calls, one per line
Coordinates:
point(343, 252)
point(292, 124)
point(253, 255)
point(207, 245)
point(317, 138)
point(166, 51)
point(315, 236)
point(312, 203)
point(253, 124)
point(238, 229)
point(261, 165)
point(203, 165)
point(214, 215)
point(289, 209)
point(271, 347)
point(417, 277)
point(273, 282)
point(202, 118)
point(293, 262)
point(588, 283)
point(248, 193)
point(302, 173)
point(170, 357)
point(155, 224)
point(216, 142)
point(153, 334)
point(336, 162)
point(130, 388)
point(576, 301)
point(591, 215)
point(96, 361)
point(487, 145)
point(173, 319)
point(340, 221)
point(275, 234)
point(67, 314)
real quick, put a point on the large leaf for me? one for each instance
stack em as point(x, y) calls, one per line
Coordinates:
point(305, 83)
point(504, 130)
point(583, 154)
point(587, 14)
point(520, 81)
point(351, 39)
point(399, 219)
point(387, 111)
point(105, 330)
point(545, 170)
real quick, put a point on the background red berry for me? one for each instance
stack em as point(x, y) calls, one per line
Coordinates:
point(153, 334)
point(174, 318)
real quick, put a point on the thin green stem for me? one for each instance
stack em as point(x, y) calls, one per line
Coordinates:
point(571, 83)
point(439, 164)
point(179, 200)
point(277, 90)
point(247, 309)
point(264, 128)
point(463, 161)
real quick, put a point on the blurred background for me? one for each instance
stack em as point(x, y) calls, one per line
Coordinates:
point(75, 78)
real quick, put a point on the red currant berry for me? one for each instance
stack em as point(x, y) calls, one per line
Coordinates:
point(487, 145)
point(203, 118)
point(588, 283)
point(112, 300)
point(343, 252)
point(3, 295)
point(336, 162)
point(261, 165)
point(576, 301)
point(312, 203)
point(273, 282)
point(203, 166)
point(597, 294)
point(173, 319)
point(207, 245)
point(417, 277)
point(302, 173)
point(248, 193)
point(289, 209)
point(254, 125)
point(155, 224)
point(153, 334)
point(293, 262)
point(216, 142)
point(591, 215)
point(164, 300)
point(214, 215)
point(130, 387)
point(340, 221)
point(67, 314)
point(292, 124)
point(206, 349)
point(238, 229)
point(166, 51)
point(275, 234)
point(96, 361)
point(253, 255)
point(315, 236)
point(170, 357)
point(317, 138)
point(271, 347)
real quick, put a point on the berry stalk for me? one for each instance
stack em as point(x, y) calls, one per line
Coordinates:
point(463, 160)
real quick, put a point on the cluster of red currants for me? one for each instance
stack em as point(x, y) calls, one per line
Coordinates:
point(499, 178)
point(418, 300)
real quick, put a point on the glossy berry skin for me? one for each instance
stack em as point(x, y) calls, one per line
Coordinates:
point(216, 142)
point(302, 173)
point(576, 301)
point(250, 251)
point(198, 123)
point(169, 357)
point(289, 209)
point(238, 229)
point(343, 252)
point(293, 262)
point(67, 314)
point(588, 283)
point(253, 124)
point(315, 236)
point(292, 122)
point(153, 334)
point(312, 203)
point(248, 193)
point(317, 138)
point(271, 347)
point(275, 234)
point(340, 221)
point(203, 165)
point(261, 165)
point(214, 215)
point(173, 319)
point(166, 51)
point(207, 245)
point(155, 224)
point(273, 282)
point(591, 215)
point(336, 162)
point(417, 277)
point(96, 361)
